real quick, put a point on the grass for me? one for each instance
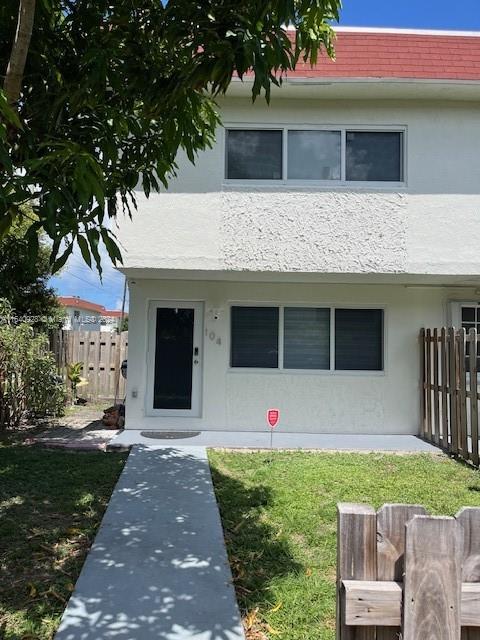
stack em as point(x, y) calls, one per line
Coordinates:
point(279, 520)
point(51, 503)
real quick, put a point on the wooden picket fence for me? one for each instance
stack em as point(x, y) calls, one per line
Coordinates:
point(101, 353)
point(404, 574)
point(449, 391)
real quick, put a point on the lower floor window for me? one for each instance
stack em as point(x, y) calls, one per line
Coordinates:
point(309, 338)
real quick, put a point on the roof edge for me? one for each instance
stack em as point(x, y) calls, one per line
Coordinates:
point(400, 31)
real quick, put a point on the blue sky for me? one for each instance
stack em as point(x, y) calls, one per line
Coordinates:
point(412, 14)
point(78, 279)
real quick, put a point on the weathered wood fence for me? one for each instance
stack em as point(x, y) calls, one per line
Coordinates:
point(101, 353)
point(449, 390)
point(403, 574)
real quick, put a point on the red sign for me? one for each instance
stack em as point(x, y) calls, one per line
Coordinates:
point(273, 416)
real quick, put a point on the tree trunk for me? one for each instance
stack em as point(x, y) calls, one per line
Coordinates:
point(16, 65)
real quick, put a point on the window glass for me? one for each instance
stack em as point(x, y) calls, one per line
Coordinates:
point(375, 156)
point(306, 338)
point(314, 155)
point(254, 154)
point(254, 337)
point(468, 314)
point(359, 339)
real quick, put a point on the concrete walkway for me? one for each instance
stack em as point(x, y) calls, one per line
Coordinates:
point(158, 567)
point(281, 440)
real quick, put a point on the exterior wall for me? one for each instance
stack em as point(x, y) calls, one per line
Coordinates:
point(81, 324)
point(429, 226)
point(366, 402)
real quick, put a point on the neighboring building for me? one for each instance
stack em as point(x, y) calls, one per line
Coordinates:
point(82, 315)
point(294, 264)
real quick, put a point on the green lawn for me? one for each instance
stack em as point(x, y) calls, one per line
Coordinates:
point(279, 519)
point(51, 503)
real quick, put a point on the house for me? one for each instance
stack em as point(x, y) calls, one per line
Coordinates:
point(82, 315)
point(295, 263)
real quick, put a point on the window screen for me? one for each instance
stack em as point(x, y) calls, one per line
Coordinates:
point(375, 156)
point(306, 338)
point(254, 154)
point(254, 337)
point(359, 339)
point(314, 155)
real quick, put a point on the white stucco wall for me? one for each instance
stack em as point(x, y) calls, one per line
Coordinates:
point(429, 226)
point(385, 402)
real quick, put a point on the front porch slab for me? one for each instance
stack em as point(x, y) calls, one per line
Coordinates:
point(281, 440)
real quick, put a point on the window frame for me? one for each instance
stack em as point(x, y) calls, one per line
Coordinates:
point(280, 370)
point(343, 183)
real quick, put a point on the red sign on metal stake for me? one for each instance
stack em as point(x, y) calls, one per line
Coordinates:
point(273, 416)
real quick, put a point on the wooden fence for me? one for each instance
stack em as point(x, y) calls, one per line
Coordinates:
point(449, 390)
point(101, 353)
point(403, 574)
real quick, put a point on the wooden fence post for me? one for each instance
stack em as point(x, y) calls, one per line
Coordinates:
point(428, 357)
point(432, 589)
point(472, 352)
point(423, 392)
point(444, 377)
point(436, 394)
point(391, 521)
point(452, 357)
point(469, 521)
point(356, 559)
point(462, 387)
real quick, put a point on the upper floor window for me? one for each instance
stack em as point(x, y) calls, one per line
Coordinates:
point(254, 154)
point(342, 155)
point(374, 156)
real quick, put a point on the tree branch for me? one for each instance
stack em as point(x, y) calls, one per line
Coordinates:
point(16, 65)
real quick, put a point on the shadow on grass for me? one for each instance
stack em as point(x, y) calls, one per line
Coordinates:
point(51, 504)
point(256, 551)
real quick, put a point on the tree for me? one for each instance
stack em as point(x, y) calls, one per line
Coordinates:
point(23, 281)
point(110, 91)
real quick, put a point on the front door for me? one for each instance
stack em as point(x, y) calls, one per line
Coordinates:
point(175, 359)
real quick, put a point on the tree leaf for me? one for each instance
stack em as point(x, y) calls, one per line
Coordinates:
point(83, 244)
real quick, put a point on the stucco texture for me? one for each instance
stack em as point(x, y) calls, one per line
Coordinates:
point(298, 231)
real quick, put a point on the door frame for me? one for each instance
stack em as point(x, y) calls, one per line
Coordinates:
point(197, 369)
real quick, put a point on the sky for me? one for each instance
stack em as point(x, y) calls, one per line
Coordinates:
point(412, 14)
point(78, 279)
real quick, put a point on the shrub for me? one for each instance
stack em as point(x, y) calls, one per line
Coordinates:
point(29, 383)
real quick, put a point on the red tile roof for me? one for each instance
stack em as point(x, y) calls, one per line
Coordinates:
point(399, 54)
point(74, 301)
point(113, 313)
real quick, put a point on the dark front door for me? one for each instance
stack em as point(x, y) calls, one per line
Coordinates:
point(174, 354)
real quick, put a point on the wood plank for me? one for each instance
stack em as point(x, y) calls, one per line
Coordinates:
point(472, 352)
point(463, 436)
point(469, 525)
point(444, 387)
point(374, 603)
point(369, 602)
point(452, 359)
point(356, 559)
point(391, 521)
point(423, 392)
point(428, 358)
point(436, 395)
point(433, 566)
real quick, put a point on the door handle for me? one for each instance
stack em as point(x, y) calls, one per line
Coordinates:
point(195, 351)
